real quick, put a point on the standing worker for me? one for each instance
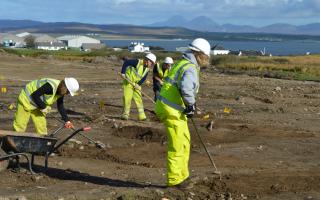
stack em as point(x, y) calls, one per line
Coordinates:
point(176, 103)
point(135, 71)
point(36, 100)
point(160, 71)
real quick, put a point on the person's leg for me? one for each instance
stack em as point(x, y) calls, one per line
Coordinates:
point(40, 122)
point(178, 151)
point(21, 119)
point(127, 97)
point(137, 97)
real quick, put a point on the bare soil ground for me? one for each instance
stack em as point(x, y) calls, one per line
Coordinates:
point(267, 147)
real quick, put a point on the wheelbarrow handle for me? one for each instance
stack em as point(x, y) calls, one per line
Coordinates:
point(69, 137)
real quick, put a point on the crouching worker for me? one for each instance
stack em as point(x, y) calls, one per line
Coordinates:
point(36, 98)
point(176, 103)
point(135, 73)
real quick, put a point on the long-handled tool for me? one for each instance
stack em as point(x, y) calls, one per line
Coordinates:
point(98, 144)
point(210, 158)
point(129, 81)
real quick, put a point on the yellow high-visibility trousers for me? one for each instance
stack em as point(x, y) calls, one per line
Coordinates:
point(128, 93)
point(178, 147)
point(22, 116)
point(178, 151)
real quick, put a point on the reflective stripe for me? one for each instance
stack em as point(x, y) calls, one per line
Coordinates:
point(169, 103)
point(29, 97)
point(54, 88)
point(136, 73)
point(176, 77)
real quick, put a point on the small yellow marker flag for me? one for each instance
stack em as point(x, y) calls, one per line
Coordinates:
point(226, 110)
point(206, 116)
point(11, 106)
point(3, 90)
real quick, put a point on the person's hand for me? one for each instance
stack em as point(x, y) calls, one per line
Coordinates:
point(137, 87)
point(46, 110)
point(161, 82)
point(68, 125)
point(148, 83)
point(189, 111)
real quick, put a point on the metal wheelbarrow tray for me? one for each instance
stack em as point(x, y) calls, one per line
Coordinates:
point(14, 144)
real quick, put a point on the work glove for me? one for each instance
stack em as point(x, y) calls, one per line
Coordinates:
point(189, 111)
point(68, 125)
point(137, 87)
point(46, 110)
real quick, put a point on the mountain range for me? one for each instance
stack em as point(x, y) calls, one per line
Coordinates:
point(173, 28)
point(203, 23)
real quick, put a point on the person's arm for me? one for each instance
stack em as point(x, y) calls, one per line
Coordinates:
point(143, 79)
point(36, 95)
point(188, 86)
point(128, 63)
point(62, 110)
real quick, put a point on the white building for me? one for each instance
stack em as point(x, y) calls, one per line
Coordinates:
point(51, 46)
point(76, 41)
point(138, 47)
point(10, 40)
point(219, 50)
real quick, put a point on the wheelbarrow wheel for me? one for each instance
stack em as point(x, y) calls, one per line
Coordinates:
point(4, 162)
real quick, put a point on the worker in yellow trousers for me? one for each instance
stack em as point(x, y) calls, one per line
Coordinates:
point(135, 71)
point(176, 103)
point(36, 98)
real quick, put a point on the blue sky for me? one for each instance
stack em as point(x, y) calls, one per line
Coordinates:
point(140, 12)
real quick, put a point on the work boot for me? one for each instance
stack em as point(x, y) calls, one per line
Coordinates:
point(124, 117)
point(144, 119)
point(185, 185)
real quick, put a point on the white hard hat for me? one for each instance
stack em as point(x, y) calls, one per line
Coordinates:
point(151, 57)
point(200, 44)
point(72, 85)
point(168, 60)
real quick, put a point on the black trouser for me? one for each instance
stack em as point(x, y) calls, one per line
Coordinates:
point(156, 89)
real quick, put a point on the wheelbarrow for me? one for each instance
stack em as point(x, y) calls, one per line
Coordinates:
point(14, 144)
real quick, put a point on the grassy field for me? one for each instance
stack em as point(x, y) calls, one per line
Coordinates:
point(289, 67)
point(76, 54)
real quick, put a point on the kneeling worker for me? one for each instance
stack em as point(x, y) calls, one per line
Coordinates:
point(176, 103)
point(135, 71)
point(36, 98)
point(160, 71)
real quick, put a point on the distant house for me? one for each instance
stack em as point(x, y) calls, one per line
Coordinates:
point(10, 40)
point(219, 50)
point(76, 41)
point(137, 47)
point(92, 46)
point(247, 53)
point(51, 46)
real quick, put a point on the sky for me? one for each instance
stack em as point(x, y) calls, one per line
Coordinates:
point(142, 12)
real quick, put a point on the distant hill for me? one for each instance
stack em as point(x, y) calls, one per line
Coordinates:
point(223, 32)
point(206, 24)
point(18, 23)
